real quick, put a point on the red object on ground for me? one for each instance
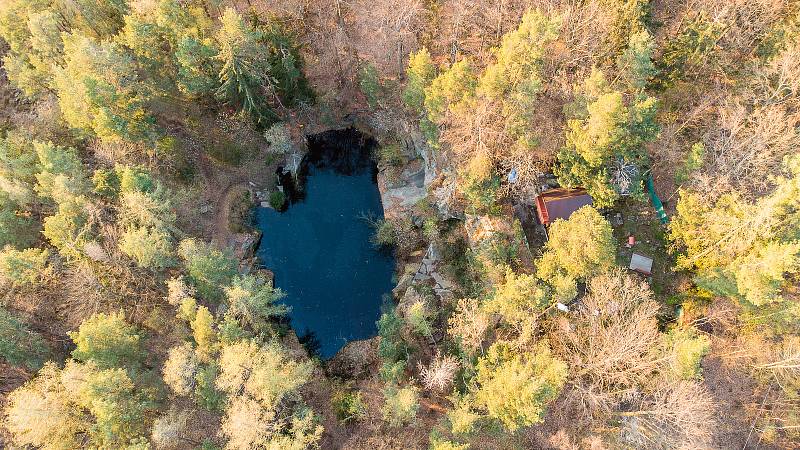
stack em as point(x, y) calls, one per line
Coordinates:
point(631, 241)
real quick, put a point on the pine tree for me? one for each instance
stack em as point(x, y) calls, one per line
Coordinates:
point(252, 301)
point(19, 345)
point(23, 268)
point(245, 76)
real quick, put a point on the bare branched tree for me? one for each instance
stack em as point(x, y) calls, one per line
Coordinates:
point(438, 375)
point(386, 31)
point(470, 324)
point(611, 343)
point(679, 415)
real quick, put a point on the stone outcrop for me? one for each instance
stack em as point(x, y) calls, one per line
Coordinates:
point(400, 193)
point(357, 359)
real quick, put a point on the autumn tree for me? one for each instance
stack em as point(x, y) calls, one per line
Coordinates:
point(515, 388)
point(261, 381)
point(675, 415)
point(739, 247)
point(180, 369)
point(605, 150)
point(578, 248)
point(209, 269)
point(514, 78)
point(99, 91)
point(470, 325)
point(400, 405)
point(451, 92)
point(496, 131)
point(419, 318)
point(92, 401)
point(41, 412)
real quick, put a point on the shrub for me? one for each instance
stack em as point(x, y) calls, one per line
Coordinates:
point(241, 212)
point(694, 161)
point(419, 318)
point(277, 200)
point(392, 372)
point(401, 405)
point(395, 232)
point(106, 183)
point(385, 234)
point(227, 152)
point(15, 229)
point(686, 348)
point(23, 268)
point(108, 341)
point(19, 345)
point(391, 346)
point(348, 405)
point(134, 179)
point(390, 155)
point(370, 84)
point(482, 195)
point(279, 139)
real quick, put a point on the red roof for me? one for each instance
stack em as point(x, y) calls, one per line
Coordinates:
point(560, 203)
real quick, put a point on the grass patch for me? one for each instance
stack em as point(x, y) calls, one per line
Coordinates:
point(241, 213)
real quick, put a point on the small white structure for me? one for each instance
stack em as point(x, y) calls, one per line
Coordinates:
point(641, 264)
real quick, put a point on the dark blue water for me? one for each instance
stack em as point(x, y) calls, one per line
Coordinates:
point(320, 252)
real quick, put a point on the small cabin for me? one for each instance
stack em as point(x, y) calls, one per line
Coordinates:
point(560, 203)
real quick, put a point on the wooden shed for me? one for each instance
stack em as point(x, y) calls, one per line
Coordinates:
point(642, 264)
point(560, 203)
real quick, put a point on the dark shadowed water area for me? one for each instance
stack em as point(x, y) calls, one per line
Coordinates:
point(319, 248)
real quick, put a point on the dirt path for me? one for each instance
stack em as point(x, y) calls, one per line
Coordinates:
point(222, 236)
point(221, 201)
